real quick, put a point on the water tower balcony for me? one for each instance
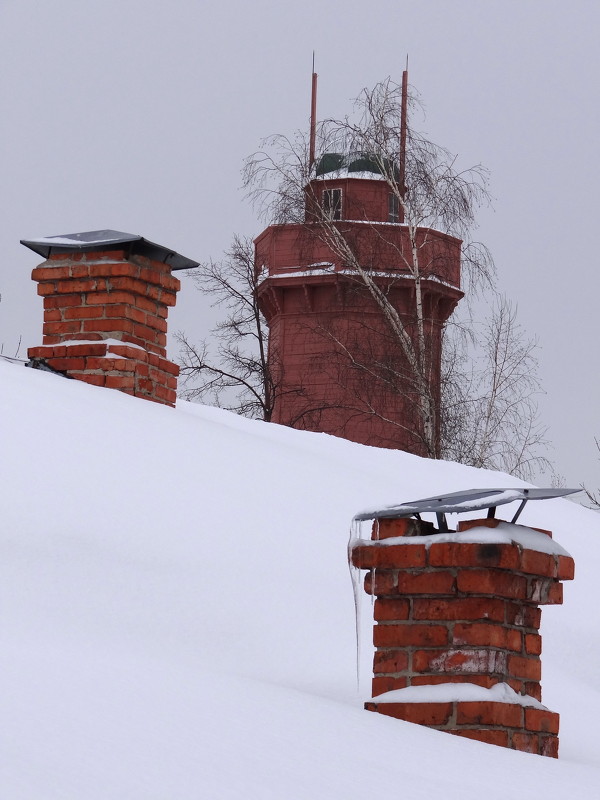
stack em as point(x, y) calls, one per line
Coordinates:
point(386, 249)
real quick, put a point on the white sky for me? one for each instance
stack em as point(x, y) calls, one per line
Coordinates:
point(137, 116)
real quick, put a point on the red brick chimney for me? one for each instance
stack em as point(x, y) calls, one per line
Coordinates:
point(106, 299)
point(464, 612)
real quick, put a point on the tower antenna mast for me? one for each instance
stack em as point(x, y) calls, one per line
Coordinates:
point(403, 125)
point(313, 117)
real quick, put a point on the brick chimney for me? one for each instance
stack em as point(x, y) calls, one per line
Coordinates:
point(463, 609)
point(106, 299)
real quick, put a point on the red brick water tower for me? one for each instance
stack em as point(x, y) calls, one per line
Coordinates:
point(320, 315)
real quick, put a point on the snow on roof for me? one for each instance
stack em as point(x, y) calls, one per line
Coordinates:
point(79, 240)
point(177, 617)
point(342, 174)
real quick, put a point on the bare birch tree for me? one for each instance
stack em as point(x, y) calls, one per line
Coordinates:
point(489, 396)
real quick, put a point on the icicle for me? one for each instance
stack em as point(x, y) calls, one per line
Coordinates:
point(372, 587)
point(355, 577)
point(375, 536)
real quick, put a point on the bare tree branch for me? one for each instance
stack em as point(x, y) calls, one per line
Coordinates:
point(239, 376)
point(489, 392)
point(593, 496)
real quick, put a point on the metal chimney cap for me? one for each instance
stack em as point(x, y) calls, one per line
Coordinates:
point(462, 502)
point(97, 241)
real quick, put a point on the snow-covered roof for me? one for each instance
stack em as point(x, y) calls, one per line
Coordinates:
point(178, 621)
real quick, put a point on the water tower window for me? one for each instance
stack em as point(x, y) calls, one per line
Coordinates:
point(332, 203)
point(393, 208)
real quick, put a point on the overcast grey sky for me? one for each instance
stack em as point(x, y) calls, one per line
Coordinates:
point(137, 115)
